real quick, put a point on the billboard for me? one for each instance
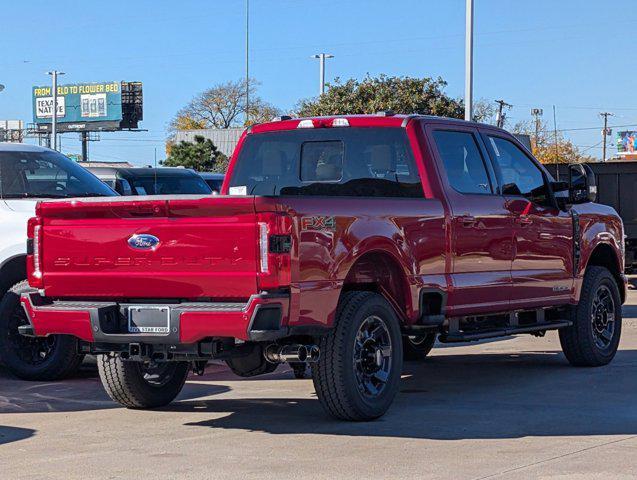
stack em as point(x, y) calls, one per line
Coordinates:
point(89, 106)
point(627, 142)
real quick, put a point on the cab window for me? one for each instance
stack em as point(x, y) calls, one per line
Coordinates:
point(463, 162)
point(519, 176)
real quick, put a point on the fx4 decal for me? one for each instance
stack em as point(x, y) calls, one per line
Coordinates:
point(318, 222)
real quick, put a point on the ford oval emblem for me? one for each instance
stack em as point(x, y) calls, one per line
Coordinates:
point(143, 241)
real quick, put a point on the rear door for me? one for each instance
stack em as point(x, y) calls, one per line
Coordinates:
point(541, 270)
point(481, 225)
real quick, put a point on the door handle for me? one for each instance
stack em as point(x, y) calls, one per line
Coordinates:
point(524, 220)
point(468, 220)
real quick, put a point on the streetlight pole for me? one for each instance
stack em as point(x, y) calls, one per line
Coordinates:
point(537, 113)
point(468, 79)
point(322, 57)
point(247, 62)
point(54, 116)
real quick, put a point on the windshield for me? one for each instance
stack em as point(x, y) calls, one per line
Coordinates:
point(46, 174)
point(168, 185)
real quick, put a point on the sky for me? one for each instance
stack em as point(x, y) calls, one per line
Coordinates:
point(576, 55)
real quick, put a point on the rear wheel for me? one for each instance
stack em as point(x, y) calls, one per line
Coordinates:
point(33, 358)
point(141, 385)
point(593, 338)
point(417, 347)
point(358, 374)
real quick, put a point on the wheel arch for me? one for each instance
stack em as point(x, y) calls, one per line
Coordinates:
point(382, 272)
point(605, 255)
point(12, 271)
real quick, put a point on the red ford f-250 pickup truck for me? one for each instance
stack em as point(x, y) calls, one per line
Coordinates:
point(344, 242)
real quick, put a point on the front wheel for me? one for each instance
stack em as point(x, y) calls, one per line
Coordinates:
point(593, 338)
point(141, 385)
point(358, 374)
point(33, 358)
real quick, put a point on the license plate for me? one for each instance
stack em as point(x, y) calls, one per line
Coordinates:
point(149, 320)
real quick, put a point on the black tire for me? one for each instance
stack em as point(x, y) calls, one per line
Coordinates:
point(418, 347)
point(136, 385)
point(299, 369)
point(342, 379)
point(593, 339)
point(29, 358)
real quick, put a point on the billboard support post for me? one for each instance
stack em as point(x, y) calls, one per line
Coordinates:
point(85, 146)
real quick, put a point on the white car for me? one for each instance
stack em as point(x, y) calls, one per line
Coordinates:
point(29, 174)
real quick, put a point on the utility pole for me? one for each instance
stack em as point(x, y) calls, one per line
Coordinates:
point(501, 115)
point(322, 57)
point(605, 132)
point(54, 117)
point(247, 61)
point(468, 79)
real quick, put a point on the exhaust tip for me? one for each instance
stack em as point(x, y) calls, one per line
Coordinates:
point(302, 353)
point(314, 354)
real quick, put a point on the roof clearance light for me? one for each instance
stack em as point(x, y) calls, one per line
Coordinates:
point(340, 122)
point(305, 124)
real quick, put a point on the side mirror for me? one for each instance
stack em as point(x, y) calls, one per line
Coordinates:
point(582, 187)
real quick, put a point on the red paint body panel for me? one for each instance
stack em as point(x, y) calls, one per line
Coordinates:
point(194, 325)
point(68, 322)
point(207, 249)
point(514, 255)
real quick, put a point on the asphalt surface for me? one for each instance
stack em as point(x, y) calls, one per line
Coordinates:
point(508, 409)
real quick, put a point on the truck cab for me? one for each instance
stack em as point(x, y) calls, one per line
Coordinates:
point(343, 242)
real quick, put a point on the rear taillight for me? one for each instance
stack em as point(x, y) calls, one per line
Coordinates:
point(34, 252)
point(275, 246)
point(264, 264)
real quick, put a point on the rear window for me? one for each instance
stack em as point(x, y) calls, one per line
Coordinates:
point(365, 162)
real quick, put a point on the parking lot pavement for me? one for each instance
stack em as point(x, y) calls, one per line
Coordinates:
point(504, 409)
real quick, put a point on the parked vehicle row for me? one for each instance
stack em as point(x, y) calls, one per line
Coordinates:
point(29, 174)
point(339, 242)
point(152, 181)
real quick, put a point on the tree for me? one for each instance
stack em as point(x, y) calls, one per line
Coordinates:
point(201, 155)
point(223, 106)
point(373, 94)
point(545, 147)
point(484, 112)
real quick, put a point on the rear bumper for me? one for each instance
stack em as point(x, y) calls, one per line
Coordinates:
point(262, 318)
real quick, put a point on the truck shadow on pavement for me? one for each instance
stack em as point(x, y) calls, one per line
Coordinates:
point(450, 397)
point(14, 434)
point(83, 392)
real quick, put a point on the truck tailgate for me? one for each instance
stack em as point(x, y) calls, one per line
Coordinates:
point(206, 248)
